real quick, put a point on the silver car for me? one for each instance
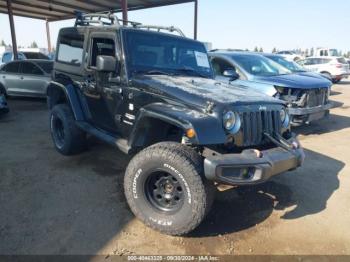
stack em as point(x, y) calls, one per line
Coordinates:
point(26, 78)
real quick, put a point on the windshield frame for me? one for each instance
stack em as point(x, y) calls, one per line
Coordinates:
point(179, 71)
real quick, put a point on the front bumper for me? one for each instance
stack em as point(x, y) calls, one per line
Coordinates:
point(301, 115)
point(248, 168)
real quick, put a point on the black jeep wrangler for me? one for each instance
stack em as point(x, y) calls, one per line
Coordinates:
point(152, 95)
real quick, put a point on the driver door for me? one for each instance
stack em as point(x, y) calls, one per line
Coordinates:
point(103, 97)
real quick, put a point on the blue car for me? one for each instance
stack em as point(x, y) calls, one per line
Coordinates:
point(295, 67)
point(307, 96)
point(3, 104)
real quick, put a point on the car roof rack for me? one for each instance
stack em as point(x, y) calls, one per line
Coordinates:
point(159, 28)
point(102, 19)
point(109, 19)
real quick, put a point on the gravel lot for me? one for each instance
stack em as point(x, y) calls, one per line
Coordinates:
point(51, 204)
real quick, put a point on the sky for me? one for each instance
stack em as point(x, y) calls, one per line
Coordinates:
point(284, 24)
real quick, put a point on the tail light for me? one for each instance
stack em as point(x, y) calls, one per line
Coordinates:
point(338, 65)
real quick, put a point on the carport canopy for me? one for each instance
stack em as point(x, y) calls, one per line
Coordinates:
point(56, 10)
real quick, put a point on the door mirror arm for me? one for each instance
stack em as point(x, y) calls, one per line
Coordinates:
point(114, 79)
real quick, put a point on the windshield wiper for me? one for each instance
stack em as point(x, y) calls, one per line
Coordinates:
point(192, 70)
point(152, 72)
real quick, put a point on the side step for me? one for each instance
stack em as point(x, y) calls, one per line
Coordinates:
point(120, 143)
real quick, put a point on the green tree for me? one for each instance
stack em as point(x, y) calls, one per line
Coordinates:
point(34, 45)
point(256, 49)
point(261, 50)
point(2, 43)
point(274, 50)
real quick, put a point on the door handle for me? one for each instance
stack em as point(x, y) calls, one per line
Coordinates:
point(117, 90)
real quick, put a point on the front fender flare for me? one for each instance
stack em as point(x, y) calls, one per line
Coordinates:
point(208, 128)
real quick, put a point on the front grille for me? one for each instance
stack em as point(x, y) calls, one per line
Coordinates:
point(316, 97)
point(306, 98)
point(254, 124)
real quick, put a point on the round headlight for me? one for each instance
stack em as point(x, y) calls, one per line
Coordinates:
point(283, 115)
point(284, 118)
point(229, 120)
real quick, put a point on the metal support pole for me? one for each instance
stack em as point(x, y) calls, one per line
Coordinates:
point(195, 18)
point(48, 36)
point(12, 28)
point(125, 11)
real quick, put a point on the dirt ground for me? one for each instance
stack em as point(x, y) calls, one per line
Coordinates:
point(51, 204)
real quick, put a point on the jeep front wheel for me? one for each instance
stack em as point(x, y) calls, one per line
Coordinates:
point(165, 189)
point(67, 137)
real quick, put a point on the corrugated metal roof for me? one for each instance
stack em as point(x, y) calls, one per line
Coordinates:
point(54, 10)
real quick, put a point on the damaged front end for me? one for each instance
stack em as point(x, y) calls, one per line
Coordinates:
point(305, 105)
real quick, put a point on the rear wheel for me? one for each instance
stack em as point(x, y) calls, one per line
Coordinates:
point(67, 137)
point(165, 188)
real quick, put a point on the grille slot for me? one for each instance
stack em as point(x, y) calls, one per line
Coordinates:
point(254, 124)
point(316, 97)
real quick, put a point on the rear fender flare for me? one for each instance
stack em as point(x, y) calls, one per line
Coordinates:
point(56, 90)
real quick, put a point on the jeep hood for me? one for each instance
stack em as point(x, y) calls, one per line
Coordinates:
point(293, 81)
point(198, 91)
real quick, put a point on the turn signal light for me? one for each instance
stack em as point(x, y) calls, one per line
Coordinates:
point(190, 133)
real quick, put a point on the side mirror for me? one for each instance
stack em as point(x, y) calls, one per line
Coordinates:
point(256, 69)
point(230, 73)
point(106, 64)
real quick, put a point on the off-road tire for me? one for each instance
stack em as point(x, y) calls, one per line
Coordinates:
point(186, 166)
point(73, 140)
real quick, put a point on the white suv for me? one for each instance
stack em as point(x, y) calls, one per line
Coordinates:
point(335, 68)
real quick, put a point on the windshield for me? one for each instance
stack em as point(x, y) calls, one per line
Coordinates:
point(149, 52)
point(260, 66)
point(290, 65)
